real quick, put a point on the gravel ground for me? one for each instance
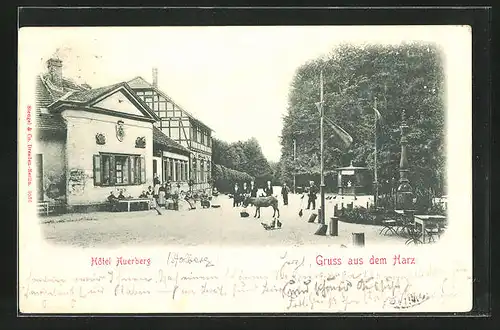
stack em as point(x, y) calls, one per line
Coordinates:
point(215, 226)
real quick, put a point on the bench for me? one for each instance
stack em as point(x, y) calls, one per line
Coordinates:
point(133, 200)
point(43, 207)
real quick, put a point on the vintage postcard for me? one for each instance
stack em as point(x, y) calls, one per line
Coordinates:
point(259, 169)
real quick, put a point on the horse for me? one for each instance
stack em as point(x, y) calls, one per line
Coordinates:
point(259, 202)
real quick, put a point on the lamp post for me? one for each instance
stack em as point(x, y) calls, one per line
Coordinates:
point(375, 175)
point(404, 192)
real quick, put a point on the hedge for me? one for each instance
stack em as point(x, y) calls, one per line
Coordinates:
point(225, 178)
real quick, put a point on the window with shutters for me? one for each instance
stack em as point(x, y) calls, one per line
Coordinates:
point(202, 171)
point(119, 170)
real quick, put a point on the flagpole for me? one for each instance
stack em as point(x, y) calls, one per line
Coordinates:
point(322, 185)
point(375, 199)
point(294, 165)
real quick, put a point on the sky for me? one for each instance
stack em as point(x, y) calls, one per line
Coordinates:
point(234, 79)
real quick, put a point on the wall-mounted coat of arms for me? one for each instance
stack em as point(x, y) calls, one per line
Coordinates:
point(100, 138)
point(120, 130)
point(140, 142)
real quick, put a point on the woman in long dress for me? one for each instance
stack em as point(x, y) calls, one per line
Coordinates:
point(152, 201)
point(161, 194)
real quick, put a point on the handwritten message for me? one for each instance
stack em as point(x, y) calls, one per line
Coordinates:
point(292, 284)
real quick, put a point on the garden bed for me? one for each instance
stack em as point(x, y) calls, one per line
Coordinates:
point(361, 215)
point(371, 216)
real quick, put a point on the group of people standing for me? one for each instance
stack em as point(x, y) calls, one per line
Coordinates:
point(251, 190)
point(246, 190)
point(160, 192)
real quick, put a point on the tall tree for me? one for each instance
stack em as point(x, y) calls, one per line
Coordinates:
point(243, 156)
point(403, 77)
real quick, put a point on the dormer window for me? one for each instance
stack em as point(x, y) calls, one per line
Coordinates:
point(44, 110)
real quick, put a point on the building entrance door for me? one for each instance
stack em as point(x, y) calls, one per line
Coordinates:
point(155, 166)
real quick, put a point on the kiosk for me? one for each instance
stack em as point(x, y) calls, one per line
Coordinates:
point(354, 180)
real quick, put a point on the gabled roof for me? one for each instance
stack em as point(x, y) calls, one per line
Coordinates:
point(88, 98)
point(140, 83)
point(46, 94)
point(160, 138)
point(90, 95)
point(52, 97)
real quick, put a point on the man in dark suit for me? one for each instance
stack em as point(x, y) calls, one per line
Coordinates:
point(253, 189)
point(245, 190)
point(268, 190)
point(284, 193)
point(236, 195)
point(312, 195)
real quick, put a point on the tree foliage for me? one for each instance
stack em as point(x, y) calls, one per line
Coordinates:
point(243, 156)
point(224, 177)
point(403, 77)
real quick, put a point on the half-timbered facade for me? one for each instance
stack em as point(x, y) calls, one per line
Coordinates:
point(182, 127)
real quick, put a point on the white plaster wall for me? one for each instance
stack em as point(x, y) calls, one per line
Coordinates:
point(54, 167)
point(82, 126)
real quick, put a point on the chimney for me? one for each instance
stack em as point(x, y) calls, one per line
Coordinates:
point(155, 77)
point(55, 71)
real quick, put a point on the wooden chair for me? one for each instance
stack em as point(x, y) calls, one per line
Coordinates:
point(433, 231)
point(414, 235)
point(391, 224)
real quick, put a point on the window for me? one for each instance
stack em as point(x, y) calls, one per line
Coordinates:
point(209, 141)
point(180, 170)
point(167, 169)
point(121, 169)
point(195, 135)
point(202, 138)
point(116, 170)
point(202, 171)
point(208, 170)
point(174, 133)
point(176, 169)
point(195, 170)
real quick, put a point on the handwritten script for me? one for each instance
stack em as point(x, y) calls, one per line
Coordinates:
point(293, 284)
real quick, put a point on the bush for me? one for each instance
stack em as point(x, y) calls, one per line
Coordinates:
point(436, 209)
point(225, 178)
point(356, 215)
point(362, 215)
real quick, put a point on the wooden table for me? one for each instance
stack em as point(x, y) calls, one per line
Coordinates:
point(425, 220)
point(404, 211)
point(134, 200)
